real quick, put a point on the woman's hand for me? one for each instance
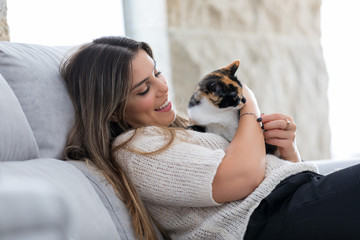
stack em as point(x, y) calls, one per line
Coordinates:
point(251, 103)
point(280, 131)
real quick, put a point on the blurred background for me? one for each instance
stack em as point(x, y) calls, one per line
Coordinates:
point(298, 56)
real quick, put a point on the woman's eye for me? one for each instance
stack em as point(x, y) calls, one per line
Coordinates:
point(146, 91)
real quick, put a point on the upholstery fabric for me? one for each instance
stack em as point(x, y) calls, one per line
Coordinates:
point(32, 71)
point(32, 211)
point(17, 141)
point(117, 209)
point(89, 217)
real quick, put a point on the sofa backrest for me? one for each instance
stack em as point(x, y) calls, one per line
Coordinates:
point(32, 72)
point(17, 141)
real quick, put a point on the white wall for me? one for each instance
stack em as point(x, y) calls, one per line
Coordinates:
point(146, 20)
point(63, 22)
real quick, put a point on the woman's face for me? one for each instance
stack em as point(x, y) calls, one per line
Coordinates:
point(148, 102)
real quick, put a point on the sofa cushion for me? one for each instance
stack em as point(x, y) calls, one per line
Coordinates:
point(116, 208)
point(32, 71)
point(32, 211)
point(89, 217)
point(17, 141)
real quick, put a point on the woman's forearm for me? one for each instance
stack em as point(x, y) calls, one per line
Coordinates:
point(243, 167)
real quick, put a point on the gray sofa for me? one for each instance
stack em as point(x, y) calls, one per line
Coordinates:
point(41, 196)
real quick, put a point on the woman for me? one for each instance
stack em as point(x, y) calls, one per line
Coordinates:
point(196, 185)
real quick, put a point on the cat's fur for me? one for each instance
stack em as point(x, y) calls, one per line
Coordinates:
point(216, 102)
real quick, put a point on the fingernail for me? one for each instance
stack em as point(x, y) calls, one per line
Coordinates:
point(262, 114)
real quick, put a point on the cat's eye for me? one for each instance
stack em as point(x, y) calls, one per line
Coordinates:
point(214, 87)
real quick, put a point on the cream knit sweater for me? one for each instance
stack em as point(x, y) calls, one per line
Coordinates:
point(175, 184)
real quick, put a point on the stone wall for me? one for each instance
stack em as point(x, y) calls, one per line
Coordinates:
point(281, 60)
point(4, 29)
point(276, 41)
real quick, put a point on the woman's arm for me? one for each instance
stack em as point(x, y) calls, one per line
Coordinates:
point(243, 167)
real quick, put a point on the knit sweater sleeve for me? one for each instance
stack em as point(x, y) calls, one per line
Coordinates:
point(181, 175)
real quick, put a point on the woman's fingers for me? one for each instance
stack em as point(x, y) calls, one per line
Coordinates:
point(283, 124)
point(280, 142)
point(280, 131)
point(278, 121)
point(281, 134)
point(275, 116)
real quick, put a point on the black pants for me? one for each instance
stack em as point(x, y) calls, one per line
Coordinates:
point(310, 206)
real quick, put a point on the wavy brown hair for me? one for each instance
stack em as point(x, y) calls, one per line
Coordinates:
point(98, 77)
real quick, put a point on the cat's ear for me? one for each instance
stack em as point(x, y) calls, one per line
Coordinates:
point(232, 67)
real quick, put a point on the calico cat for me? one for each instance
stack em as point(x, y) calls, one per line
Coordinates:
point(216, 103)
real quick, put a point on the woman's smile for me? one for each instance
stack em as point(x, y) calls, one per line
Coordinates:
point(165, 107)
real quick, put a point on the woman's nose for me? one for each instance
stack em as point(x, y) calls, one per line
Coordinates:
point(162, 87)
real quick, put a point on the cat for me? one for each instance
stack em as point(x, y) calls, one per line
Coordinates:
point(216, 103)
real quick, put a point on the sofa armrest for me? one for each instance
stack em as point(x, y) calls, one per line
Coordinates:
point(331, 165)
point(89, 218)
point(116, 208)
point(32, 211)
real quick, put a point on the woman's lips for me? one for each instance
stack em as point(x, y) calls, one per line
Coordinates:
point(165, 107)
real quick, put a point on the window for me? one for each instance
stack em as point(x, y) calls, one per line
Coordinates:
point(341, 45)
point(63, 22)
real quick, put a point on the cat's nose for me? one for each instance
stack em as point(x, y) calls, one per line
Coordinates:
point(243, 100)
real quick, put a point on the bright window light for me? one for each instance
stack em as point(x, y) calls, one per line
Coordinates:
point(63, 22)
point(341, 45)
